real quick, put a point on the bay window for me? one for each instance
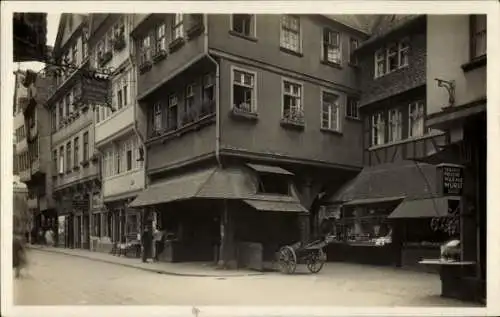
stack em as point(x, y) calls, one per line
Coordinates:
point(395, 125)
point(378, 129)
point(416, 114)
point(330, 111)
point(178, 27)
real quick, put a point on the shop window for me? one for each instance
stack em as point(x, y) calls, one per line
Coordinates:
point(274, 184)
point(364, 225)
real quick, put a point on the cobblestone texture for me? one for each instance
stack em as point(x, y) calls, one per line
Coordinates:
point(58, 279)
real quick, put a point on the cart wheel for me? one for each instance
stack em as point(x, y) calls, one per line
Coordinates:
point(287, 260)
point(316, 261)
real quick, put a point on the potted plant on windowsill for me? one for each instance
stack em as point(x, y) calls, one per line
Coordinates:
point(160, 55)
point(84, 163)
point(94, 158)
point(244, 110)
point(293, 118)
point(176, 44)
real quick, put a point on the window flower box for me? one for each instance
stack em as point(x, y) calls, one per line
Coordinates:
point(162, 54)
point(94, 158)
point(119, 43)
point(293, 119)
point(176, 44)
point(84, 163)
point(244, 110)
point(105, 58)
point(144, 67)
point(196, 29)
point(76, 168)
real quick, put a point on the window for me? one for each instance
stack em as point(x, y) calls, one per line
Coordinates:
point(108, 41)
point(403, 49)
point(85, 146)
point(353, 45)
point(178, 27)
point(392, 58)
point(478, 35)
point(244, 91)
point(172, 112)
point(128, 156)
point(290, 33)
point(74, 53)
point(331, 47)
point(208, 88)
point(378, 129)
point(61, 160)
point(161, 40)
point(84, 44)
point(54, 161)
point(352, 110)
point(67, 103)
point(189, 105)
point(292, 101)
point(157, 117)
point(145, 55)
point(395, 125)
point(68, 156)
point(379, 63)
point(76, 153)
point(97, 114)
point(118, 149)
point(416, 119)
point(243, 24)
point(121, 88)
point(100, 47)
point(330, 112)
point(274, 184)
point(61, 110)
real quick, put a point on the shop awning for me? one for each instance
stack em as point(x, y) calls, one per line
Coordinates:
point(176, 188)
point(275, 205)
point(269, 169)
point(422, 208)
point(373, 200)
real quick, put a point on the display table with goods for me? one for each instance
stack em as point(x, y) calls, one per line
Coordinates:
point(457, 276)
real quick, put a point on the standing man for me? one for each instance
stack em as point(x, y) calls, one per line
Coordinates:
point(147, 240)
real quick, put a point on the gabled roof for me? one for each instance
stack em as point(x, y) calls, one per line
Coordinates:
point(361, 22)
point(63, 21)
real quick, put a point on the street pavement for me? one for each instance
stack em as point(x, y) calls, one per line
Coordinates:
point(60, 279)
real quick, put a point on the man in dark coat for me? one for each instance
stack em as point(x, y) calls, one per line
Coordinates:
point(147, 240)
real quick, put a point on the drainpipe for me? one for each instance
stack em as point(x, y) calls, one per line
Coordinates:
point(217, 93)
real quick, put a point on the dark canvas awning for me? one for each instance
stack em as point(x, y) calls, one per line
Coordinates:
point(422, 208)
point(373, 200)
point(276, 205)
point(211, 183)
point(176, 188)
point(269, 169)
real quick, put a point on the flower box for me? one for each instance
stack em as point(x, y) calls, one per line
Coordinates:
point(196, 29)
point(176, 44)
point(162, 54)
point(144, 67)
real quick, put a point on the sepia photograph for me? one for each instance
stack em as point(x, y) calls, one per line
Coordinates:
point(247, 159)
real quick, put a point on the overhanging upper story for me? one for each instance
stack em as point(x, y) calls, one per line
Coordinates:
point(456, 69)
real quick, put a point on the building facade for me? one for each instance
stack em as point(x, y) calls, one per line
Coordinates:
point(225, 91)
point(456, 104)
point(75, 164)
point(116, 134)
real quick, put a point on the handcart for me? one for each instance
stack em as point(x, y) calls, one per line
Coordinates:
point(311, 254)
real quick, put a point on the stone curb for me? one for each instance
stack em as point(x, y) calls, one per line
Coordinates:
point(144, 268)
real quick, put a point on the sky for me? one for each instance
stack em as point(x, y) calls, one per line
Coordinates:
point(52, 25)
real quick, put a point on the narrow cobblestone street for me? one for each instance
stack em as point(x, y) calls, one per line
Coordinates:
point(58, 279)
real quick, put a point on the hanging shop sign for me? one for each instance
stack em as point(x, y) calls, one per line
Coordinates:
point(452, 179)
